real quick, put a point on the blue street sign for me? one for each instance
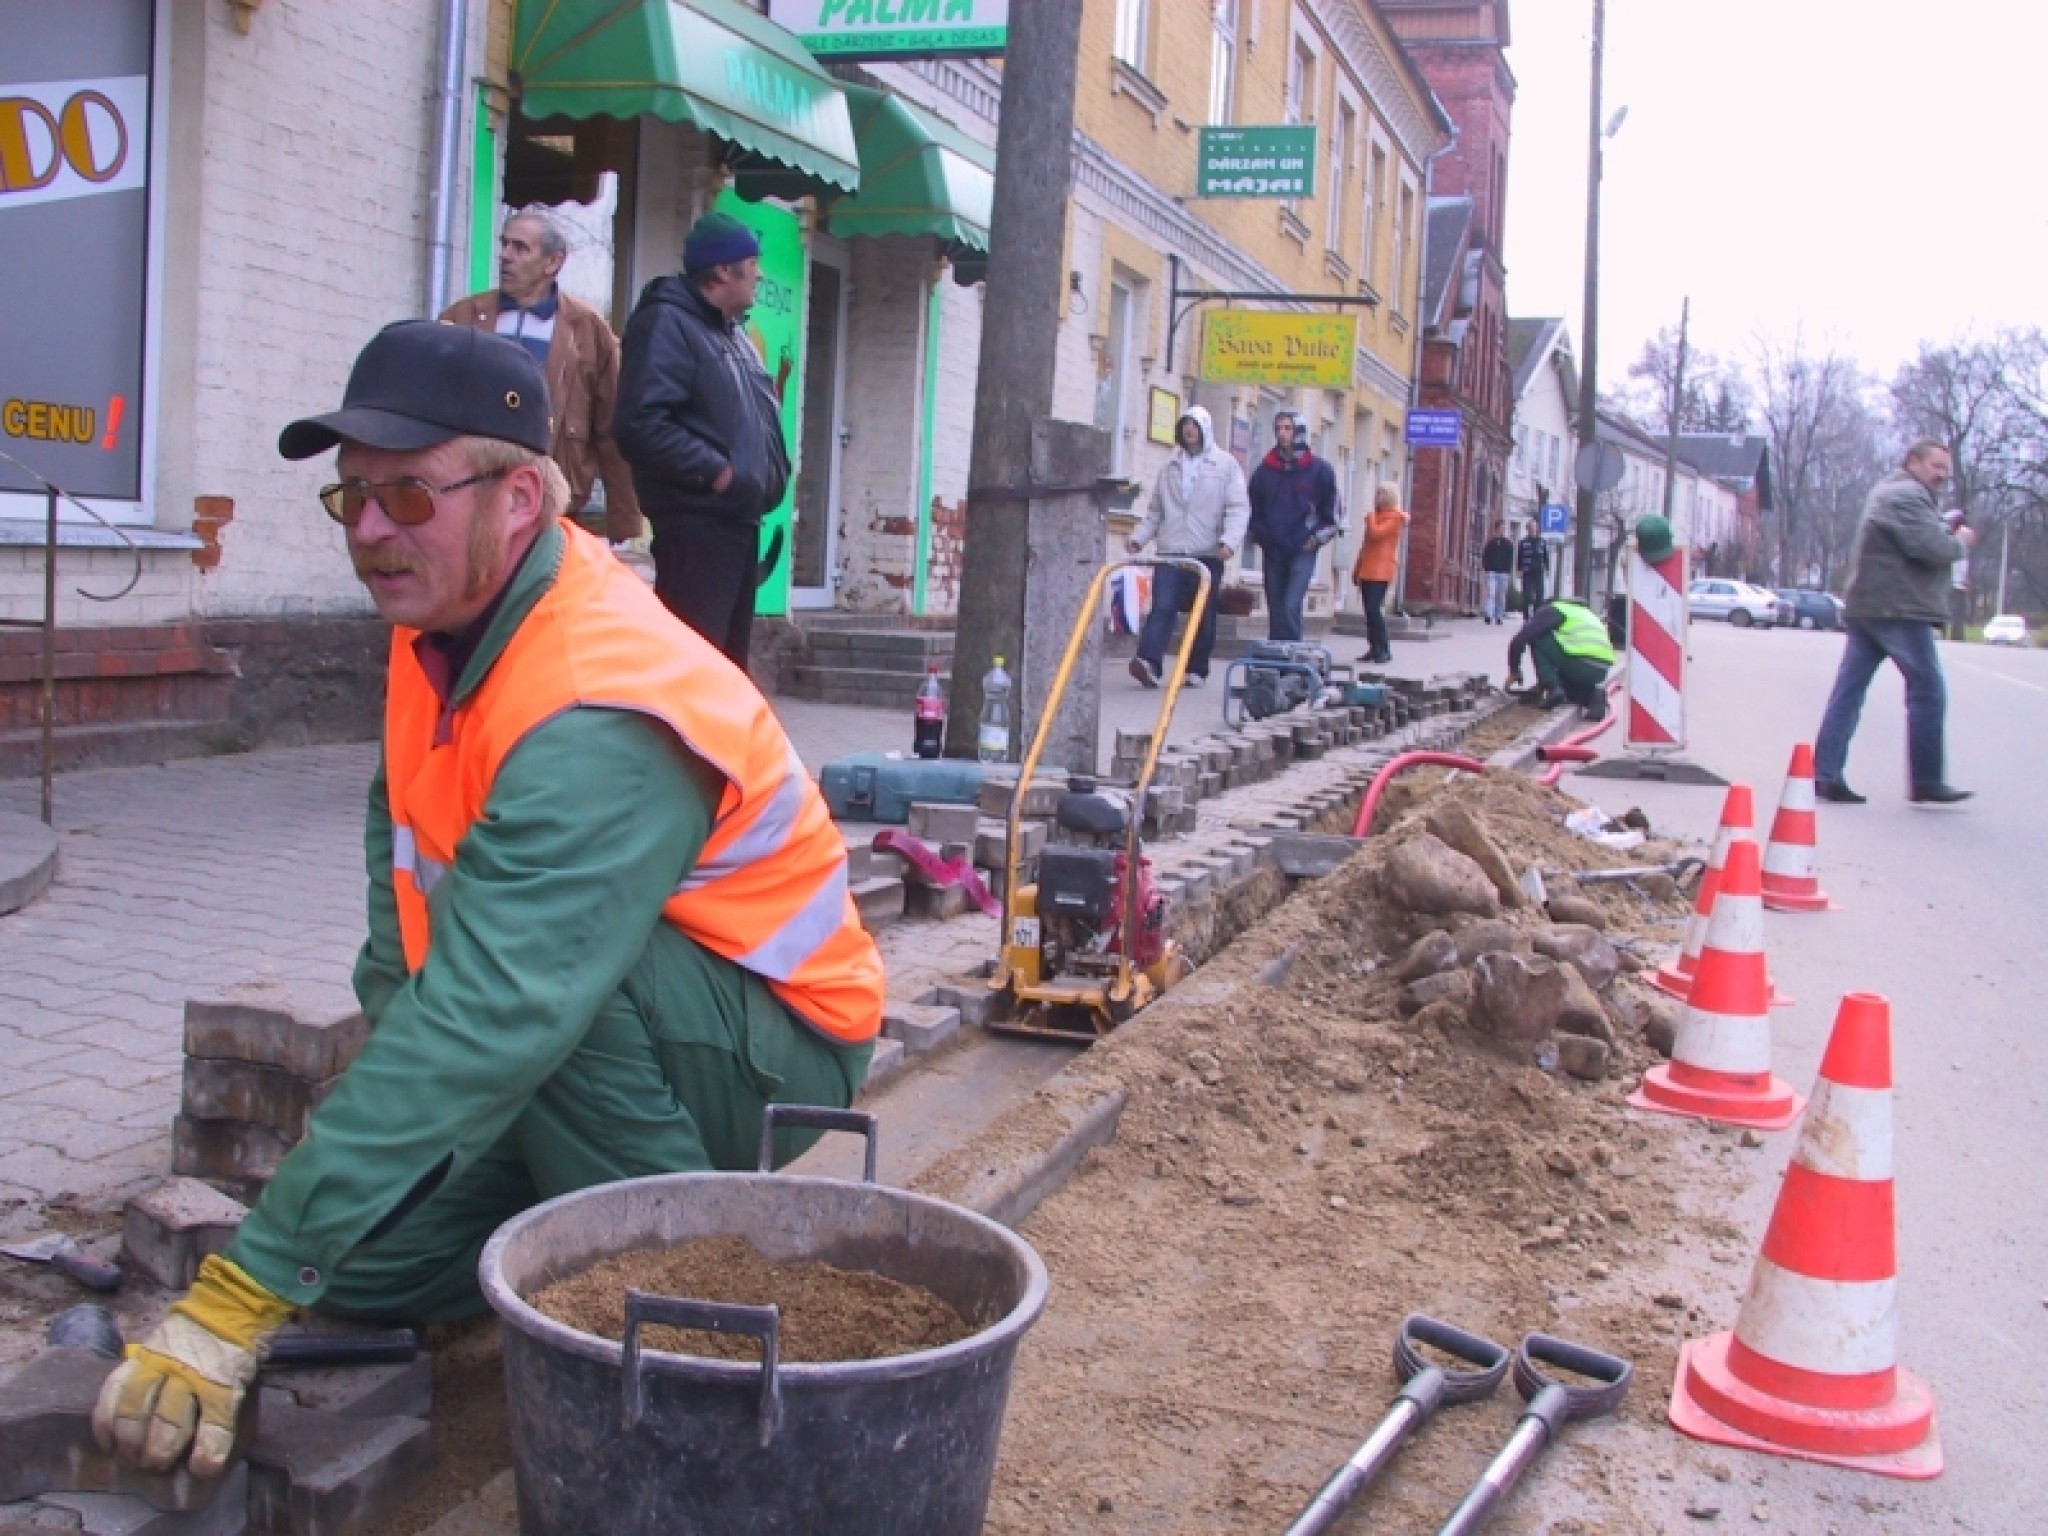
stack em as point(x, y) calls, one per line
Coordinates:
point(1433, 429)
point(1557, 521)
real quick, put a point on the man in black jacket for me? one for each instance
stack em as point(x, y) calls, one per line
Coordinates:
point(1497, 560)
point(700, 423)
point(1532, 564)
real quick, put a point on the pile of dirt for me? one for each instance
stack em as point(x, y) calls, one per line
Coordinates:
point(1302, 1165)
point(828, 1314)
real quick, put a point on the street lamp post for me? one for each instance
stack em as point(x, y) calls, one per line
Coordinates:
point(1589, 391)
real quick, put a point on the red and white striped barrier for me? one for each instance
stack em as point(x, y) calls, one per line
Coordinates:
point(1657, 617)
point(1811, 1368)
point(1720, 1067)
point(1792, 857)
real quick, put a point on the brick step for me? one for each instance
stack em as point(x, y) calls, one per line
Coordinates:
point(870, 686)
point(902, 647)
point(119, 744)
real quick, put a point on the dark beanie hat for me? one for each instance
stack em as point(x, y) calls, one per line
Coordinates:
point(716, 239)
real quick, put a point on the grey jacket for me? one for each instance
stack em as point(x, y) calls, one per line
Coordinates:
point(1198, 502)
point(1899, 567)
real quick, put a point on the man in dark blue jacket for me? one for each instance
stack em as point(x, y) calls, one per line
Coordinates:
point(1294, 515)
point(699, 421)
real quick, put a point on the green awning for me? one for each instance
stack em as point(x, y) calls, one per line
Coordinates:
point(918, 176)
point(712, 63)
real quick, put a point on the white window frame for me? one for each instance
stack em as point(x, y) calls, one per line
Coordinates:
point(1133, 18)
point(1304, 67)
point(1372, 197)
point(1224, 28)
point(1344, 123)
point(1407, 206)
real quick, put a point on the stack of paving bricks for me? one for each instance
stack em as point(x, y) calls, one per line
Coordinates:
point(877, 883)
point(257, 1059)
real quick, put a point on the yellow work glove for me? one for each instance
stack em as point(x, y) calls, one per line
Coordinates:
point(182, 1387)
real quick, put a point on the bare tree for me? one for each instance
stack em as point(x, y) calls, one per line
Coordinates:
point(1809, 398)
point(1717, 397)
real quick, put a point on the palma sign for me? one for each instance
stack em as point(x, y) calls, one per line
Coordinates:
point(895, 29)
point(1279, 349)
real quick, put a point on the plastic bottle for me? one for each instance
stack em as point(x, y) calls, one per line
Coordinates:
point(992, 741)
point(929, 735)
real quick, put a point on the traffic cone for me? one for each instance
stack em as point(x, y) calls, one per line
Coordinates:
point(1738, 819)
point(1811, 1369)
point(1720, 1067)
point(1792, 857)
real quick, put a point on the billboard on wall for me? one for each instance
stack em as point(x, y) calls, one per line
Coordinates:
point(879, 29)
point(75, 83)
point(775, 325)
point(1278, 348)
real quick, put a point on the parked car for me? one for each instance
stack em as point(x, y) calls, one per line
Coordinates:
point(2006, 629)
point(1810, 609)
point(1736, 601)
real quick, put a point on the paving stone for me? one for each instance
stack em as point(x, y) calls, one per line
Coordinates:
point(120, 1514)
point(312, 1031)
point(319, 1474)
point(396, 1390)
point(975, 1005)
point(884, 1064)
point(242, 1090)
point(880, 901)
point(920, 1026)
point(226, 1149)
point(167, 1231)
point(1041, 798)
point(46, 1443)
point(943, 902)
point(991, 842)
point(943, 823)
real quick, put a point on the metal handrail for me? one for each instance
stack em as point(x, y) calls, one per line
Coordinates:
point(48, 622)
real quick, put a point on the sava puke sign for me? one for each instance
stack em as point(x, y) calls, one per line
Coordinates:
point(877, 29)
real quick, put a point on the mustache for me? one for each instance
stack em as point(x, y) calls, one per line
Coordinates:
point(369, 562)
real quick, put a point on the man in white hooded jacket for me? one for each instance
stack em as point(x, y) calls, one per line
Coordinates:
point(1199, 508)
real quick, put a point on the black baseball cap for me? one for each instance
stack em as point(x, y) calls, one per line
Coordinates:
point(419, 383)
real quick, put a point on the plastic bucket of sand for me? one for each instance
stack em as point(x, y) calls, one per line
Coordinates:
point(633, 1441)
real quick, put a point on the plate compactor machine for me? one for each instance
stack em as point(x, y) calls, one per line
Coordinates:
point(1086, 945)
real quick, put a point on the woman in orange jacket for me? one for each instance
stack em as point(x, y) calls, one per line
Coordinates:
point(1374, 571)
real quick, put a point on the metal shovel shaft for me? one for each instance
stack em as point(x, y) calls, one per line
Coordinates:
point(1365, 1464)
point(1531, 1435)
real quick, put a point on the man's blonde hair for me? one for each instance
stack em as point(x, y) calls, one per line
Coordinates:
point(493, 455)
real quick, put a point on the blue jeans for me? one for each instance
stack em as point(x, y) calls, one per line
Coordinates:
point(1287, 578)
point(1496, 594)
point(1173, 593)
point(1909, 645)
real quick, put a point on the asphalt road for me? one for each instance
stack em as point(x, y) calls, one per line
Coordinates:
point(1941, 912)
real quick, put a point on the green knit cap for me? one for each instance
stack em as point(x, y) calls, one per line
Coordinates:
point(716, 239)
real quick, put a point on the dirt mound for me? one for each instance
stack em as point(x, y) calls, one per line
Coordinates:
point(1297, 1168)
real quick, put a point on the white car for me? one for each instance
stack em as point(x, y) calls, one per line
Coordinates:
point(2006, 629)
point(1736, 601)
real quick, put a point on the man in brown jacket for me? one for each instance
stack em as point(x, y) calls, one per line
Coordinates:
point(577, 351)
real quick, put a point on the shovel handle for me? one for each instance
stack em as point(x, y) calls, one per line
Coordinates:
point(1489, 1361)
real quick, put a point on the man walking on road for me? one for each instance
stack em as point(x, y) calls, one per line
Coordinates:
point(1532, 564)
point(700, 421)
point(575, 348)
point(1897, 602)
point(564, 989)
point(1199, 509)
point(1497, 559)
point(1294, 514)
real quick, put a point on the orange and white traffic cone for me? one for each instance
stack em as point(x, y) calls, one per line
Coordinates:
point(1811, 1368)
point(1738, 819)
point(1792, 857)
point(1720, 1067)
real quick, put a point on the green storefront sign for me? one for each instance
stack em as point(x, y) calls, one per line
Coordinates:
point(775, 325)
point(1257, 162)
point(854, 29)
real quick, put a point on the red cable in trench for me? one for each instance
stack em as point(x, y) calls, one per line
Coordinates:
point(1406, 760)
point(1573, 748)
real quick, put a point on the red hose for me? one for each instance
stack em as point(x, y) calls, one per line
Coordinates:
point(1573, 748)
point(1406, 760)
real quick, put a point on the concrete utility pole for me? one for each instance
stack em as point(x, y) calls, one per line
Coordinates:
point(1034, 520)
point(1677, 411)
point(1589, 388)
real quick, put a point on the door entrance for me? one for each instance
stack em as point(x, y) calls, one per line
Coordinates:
point(814, 539)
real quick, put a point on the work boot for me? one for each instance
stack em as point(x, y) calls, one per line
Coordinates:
point(1597, 710)
point(1840, 794)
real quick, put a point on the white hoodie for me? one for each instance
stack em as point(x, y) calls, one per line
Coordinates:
point(1199, 503)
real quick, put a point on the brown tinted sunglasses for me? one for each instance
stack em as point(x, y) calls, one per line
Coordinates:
point(408, 501)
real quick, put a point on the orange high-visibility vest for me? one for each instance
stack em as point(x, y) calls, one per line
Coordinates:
point(769, 889)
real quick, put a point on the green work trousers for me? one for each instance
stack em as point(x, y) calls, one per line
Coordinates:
point(672, 1077)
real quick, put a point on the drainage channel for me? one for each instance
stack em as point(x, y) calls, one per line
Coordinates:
point(939, 1102)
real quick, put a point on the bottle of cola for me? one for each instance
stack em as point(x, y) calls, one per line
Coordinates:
point(929, 737)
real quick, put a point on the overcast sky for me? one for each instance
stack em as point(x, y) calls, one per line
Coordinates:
point(1871, 169)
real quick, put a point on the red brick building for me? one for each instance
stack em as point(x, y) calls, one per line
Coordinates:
point(1460, 47)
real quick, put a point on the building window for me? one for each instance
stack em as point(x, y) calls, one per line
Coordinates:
point(1223, 61)
point(1343, 139)
point(1374, 200)
point(1130, 32)
point(1404, 241)
point(1301, 84)
point(1112, 379)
